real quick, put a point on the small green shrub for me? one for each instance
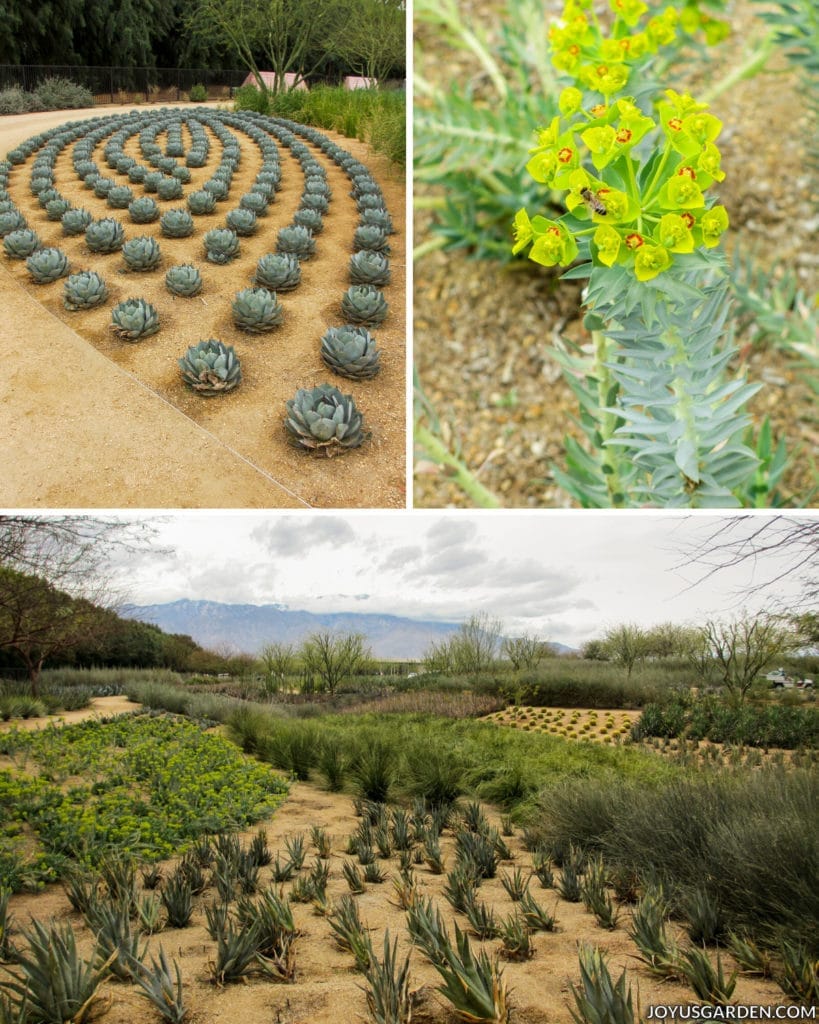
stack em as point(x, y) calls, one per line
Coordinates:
point(198, 94)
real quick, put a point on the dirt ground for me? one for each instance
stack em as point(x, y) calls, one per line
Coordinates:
point(575, 723)
point(484, 333)
point(100, 707)
point(92, 421)
point(327, 988)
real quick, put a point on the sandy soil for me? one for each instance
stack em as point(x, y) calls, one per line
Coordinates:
point(115, 426)
point(600, 726)
point(327, 986)
point(100, 707)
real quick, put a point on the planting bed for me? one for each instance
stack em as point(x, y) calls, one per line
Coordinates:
point(571, 723)
point(327, 985)
point(231, 449)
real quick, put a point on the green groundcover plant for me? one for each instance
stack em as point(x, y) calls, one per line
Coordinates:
point(664, 418)
point(144, 785)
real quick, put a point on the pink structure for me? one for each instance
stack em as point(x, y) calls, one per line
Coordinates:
point(357, 82)
point(269, 77)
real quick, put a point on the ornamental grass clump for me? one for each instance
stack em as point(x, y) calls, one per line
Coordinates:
point(665, 420)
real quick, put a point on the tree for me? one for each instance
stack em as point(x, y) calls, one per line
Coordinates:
point(596, 650)
point(38, 621)
point(335, 657)
point(291, 35)
point(626, 645)
point(781, 547)
point(524, 651)
point(371, 37)
point(279, 661)
point(745, 646)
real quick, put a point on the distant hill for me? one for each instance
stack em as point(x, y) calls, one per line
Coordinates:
point(246, 628)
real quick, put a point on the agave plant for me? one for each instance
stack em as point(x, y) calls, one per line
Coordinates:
point(377, 216)
point(256, 310)
point(368, 267)
point(55, 208)
point(169, 188)
point(21, 244)
point(184, 279)
point(11, 220)
point(221, 245)
point(84, 291)
point(151, 180)
point(296, 240)
point(322, 419)
point(142, 253)
point(254, 202)
point(310, 219)
point(242, 221)
point(75, 221)
point(176, 223)
point(104, 235)
point(364, 304)
point(102, 186)
point(143, 210)
point(369, 236)
point(161, 988)
point(201, 202)
point(134, 319)
point(311, 201)
point(120, 197)
point(217, 187)
point(47, 265)
point(211, 368)
point(350, 352)
point(278, 271)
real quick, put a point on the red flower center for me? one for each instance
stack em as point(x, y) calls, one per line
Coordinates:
point(688, 172)
point(574, 49)
point(553, 231)
point(634, 241)
point(675, 124)
point(688, 219)
point(598, 110)
point(565, 155)
point(625, 45)
point(602, 70)
point(623, 135)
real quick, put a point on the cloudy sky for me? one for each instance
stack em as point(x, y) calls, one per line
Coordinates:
point(561, 577)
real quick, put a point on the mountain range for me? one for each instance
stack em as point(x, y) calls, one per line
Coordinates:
point(246, 628)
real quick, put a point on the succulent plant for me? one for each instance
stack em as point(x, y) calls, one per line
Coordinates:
point(310, 219)
point(377, 216)
point(350, 352)
point(321, 419)
point(369, 236)
point(310, 201)
point(104, 235)
point(255, 202)
point(221, 245)
point(90, 180)
point(55, 208)
point(278, 271)
point(84, 290)
point(11, 220)
point(151, 180)
point(256, 310)
point(169, 188)
point(47, 265)
point(20, 244)
point(242, 221)
point(102, 186)
point(184, 279)
point(41, 183)
point(119, 197)
point(368, 267)
point(176, 223)
point(134, 319)
point(201, 202)
point(364, 304)
point(142, 253)
point(296, 240)
point(211, 367)
point(137, 174)
point(369, 202)
point(217, 187)
point(143, 210)
point(181, 174)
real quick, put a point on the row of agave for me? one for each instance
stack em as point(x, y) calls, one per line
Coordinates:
point(213, 367)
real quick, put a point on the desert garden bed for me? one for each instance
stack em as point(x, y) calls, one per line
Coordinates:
point(275, 177)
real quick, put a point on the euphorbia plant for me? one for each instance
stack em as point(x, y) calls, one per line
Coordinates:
point(664, 419)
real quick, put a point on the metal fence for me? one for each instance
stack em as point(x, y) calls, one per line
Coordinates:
point(128, 85)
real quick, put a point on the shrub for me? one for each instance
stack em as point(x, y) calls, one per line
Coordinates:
point(56, 93)
point(198, 94)
point(16, 101)
point(249, 97)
